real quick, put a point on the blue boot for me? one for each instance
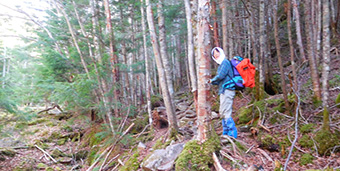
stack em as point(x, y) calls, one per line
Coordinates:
point(229, 127)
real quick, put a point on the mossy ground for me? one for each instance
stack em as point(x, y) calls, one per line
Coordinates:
point(326, 140)
point(306, 158)
point(196, 156)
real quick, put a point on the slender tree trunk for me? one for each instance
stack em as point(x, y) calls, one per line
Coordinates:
point(298, 31)
point(4, 68)
point(178, 61)
point(162, 43)
point(215, 25)
point(278, 47)
point(291, 47)
point(147, 66)
point(263, 52)
point(204, 106)
point(191, 58)
point(165, 91)
point(113, 55)
point(230, 30)
point(224, 26)
point(326, 53)
point(311, 57)
point(252, 33)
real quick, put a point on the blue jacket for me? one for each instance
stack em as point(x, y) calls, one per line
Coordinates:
point(224, 77)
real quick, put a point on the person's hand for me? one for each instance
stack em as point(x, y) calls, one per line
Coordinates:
point(209, 81)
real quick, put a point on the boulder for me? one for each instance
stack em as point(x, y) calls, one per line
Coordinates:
point(163, 159)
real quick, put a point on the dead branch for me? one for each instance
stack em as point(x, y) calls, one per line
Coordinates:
point(265, 154)
point(231, 141)
point(250, 148)
point(262, 126)
point(48, 109)
point(55, 161)
point(217, 163)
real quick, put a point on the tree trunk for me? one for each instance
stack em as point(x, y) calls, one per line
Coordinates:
point(162, 44)
point(230, 19)
point(215, 25)
point(204, 107)
point(310, 48)
point(291, 47)
point(191, 58)
point(113, 55)
point(278, 47)
point(224, 26)
point(263, 52)
point(161, 73)
point(298, 31)
point(325, 53)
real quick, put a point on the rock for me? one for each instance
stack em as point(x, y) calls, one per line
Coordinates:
point(163, 159)
point(141, 146)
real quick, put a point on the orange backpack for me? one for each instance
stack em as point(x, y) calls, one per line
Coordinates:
point(247, 72)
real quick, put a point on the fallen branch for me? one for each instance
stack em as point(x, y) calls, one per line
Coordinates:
point(250, 148)
point(265, 154)
point(262, 126)
point(228, 156)
point(231, 141)
point(217, 163)
point(48, 109)
point(55, 161)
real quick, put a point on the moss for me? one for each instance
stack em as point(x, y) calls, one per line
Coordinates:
point(41, 166)
point(316, 102)
point(37, 121)
point(307, 128)
point(20, 125)
point(49, 169)
point(61, 141)
point(7, 152)
point(54, 136)
point(92, 155)
point(67, 128)
point(266, 140)
point(81, 154)
point(245, 115)
point(158, 144)
point(196, 156)
point(306, 158)
point(240, 146)
point(306, 142)
point(337, 100)
point(131, 164)
point(325, 141)
point(57, 153)
point(325, 124)
point(155, 100)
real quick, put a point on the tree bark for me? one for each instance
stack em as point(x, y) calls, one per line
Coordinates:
point(113, 56)
point(263, 52)
point(215, 25)
point(278, 50)
point(163, 48)
point(325, 52)
point(191, 58)
point(311, 55)
point(165, 91)
point(204, 45)
point(224, 26)
point(291, 47)
point(298, 31)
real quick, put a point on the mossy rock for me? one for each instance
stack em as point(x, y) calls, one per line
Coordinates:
point(326, 140)
point(306, 158)
point(196, 156)
point(337, 101)
point(307, 128)
point(306, 141)
point(266, 140)
point(132, 164)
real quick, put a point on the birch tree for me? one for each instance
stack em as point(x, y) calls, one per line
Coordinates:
point(161, 73)
point(326, 59)
point(204, 45)
point(298, 30)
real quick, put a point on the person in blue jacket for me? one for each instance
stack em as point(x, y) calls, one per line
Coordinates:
point(226, 90)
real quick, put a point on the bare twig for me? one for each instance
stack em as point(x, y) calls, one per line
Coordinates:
point(250, 148)
point(265, 154)
point(231, 141)
point(296, 129)
point(55, 161)
point(262, 126)
point(217, 163)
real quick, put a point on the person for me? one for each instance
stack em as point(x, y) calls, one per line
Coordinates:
point(226, 90)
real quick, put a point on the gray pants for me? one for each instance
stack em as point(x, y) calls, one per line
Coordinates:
point(226, 103)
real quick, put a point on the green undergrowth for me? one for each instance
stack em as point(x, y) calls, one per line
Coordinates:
point(196, 156)
point(306, 159)
point(132, 164)
point(326, 140)
point(337, 100)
